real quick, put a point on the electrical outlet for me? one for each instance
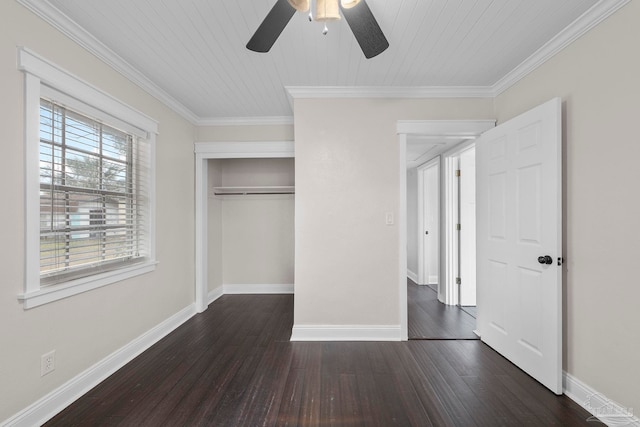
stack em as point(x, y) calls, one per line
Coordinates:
point(47, 363)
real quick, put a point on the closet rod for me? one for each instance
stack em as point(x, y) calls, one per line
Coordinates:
point(249, 193)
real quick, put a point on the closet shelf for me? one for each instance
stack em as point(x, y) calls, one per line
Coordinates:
point(263, 189)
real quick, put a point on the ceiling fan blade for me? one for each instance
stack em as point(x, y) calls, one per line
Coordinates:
point(270, 29)
point(366, 29)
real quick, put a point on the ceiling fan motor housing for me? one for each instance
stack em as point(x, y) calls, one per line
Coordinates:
point(332, 5)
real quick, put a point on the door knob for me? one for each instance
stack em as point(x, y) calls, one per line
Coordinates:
point(545, 259)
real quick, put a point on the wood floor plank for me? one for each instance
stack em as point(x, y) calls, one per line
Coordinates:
point(233, 365)
point(431, 319)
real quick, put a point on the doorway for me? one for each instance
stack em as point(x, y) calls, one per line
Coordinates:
point(443, 309)
point(205, 151)
point(420, 143)
point(519, 239)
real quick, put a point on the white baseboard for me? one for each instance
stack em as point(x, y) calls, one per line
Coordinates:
point(433, 280)
point(257, 289)
point(413, 276)
point(606, 410)
point(214, 294)
point(345, 333)
point(48, 406)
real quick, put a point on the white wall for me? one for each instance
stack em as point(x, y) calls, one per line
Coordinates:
point(347, 179)
point(257, 230)
point(598, 78)
point(244, 133)
point(85, 328)
point(257, 240)
point(412, 224)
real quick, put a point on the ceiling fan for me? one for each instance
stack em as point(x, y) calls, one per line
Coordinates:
point(363, 24)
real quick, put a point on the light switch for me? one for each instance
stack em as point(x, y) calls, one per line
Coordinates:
point(389, 218)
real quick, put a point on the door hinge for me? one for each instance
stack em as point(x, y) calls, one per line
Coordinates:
point(457, 172)
point(458, 281)
point(458, 227)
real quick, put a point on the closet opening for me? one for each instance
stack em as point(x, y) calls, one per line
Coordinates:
point(244, 218)
point(250, 226)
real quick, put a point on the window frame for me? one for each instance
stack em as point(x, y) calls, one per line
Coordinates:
point(40, 75)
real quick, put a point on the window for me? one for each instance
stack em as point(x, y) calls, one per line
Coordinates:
point(90, 196)
point(89, 186)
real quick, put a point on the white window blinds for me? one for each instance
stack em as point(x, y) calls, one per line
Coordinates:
point(93, 195)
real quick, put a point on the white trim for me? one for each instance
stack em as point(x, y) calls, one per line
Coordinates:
point(448, 292)
point(245, 149)
point(82, 37)
point(315, 92)
point(221, 150)
point(592, 17)
point(346, 332)
point(40, 74)
point(67, 83)
point(246, 121)
point(49, 294)
point(238, 289)
point(152, 208)
point(608, 412)
point(32, 183)
point(214, 294)
point(202, 227)
point(402, 239)
point(48, 406)
point(456, 129)
point(413, 276)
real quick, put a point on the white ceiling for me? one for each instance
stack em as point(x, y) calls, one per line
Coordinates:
point(192, 53)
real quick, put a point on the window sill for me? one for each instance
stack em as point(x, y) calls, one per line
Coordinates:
point(74, 287)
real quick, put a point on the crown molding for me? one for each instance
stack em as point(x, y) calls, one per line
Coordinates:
point(300, 92)
point(592, 17)
point(75, 32)
point(246, 121)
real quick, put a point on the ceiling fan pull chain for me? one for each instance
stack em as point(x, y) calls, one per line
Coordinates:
point(311, 5)
point(325, 30)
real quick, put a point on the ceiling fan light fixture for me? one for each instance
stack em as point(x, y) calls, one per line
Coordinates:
point(300, 5)
point(348, 4)
point(327, 10)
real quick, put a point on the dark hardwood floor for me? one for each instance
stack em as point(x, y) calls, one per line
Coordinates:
point(233, 365)
point(431, 319)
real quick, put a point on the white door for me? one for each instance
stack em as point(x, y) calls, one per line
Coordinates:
point(519, 241)
point(429, 222)
point(467, 234)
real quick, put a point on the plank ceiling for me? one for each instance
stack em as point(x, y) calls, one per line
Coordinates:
point(194, 50)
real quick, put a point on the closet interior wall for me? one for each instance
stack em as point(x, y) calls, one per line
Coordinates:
point(251, 236)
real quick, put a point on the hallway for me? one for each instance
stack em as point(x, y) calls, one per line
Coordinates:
point(430, 319)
